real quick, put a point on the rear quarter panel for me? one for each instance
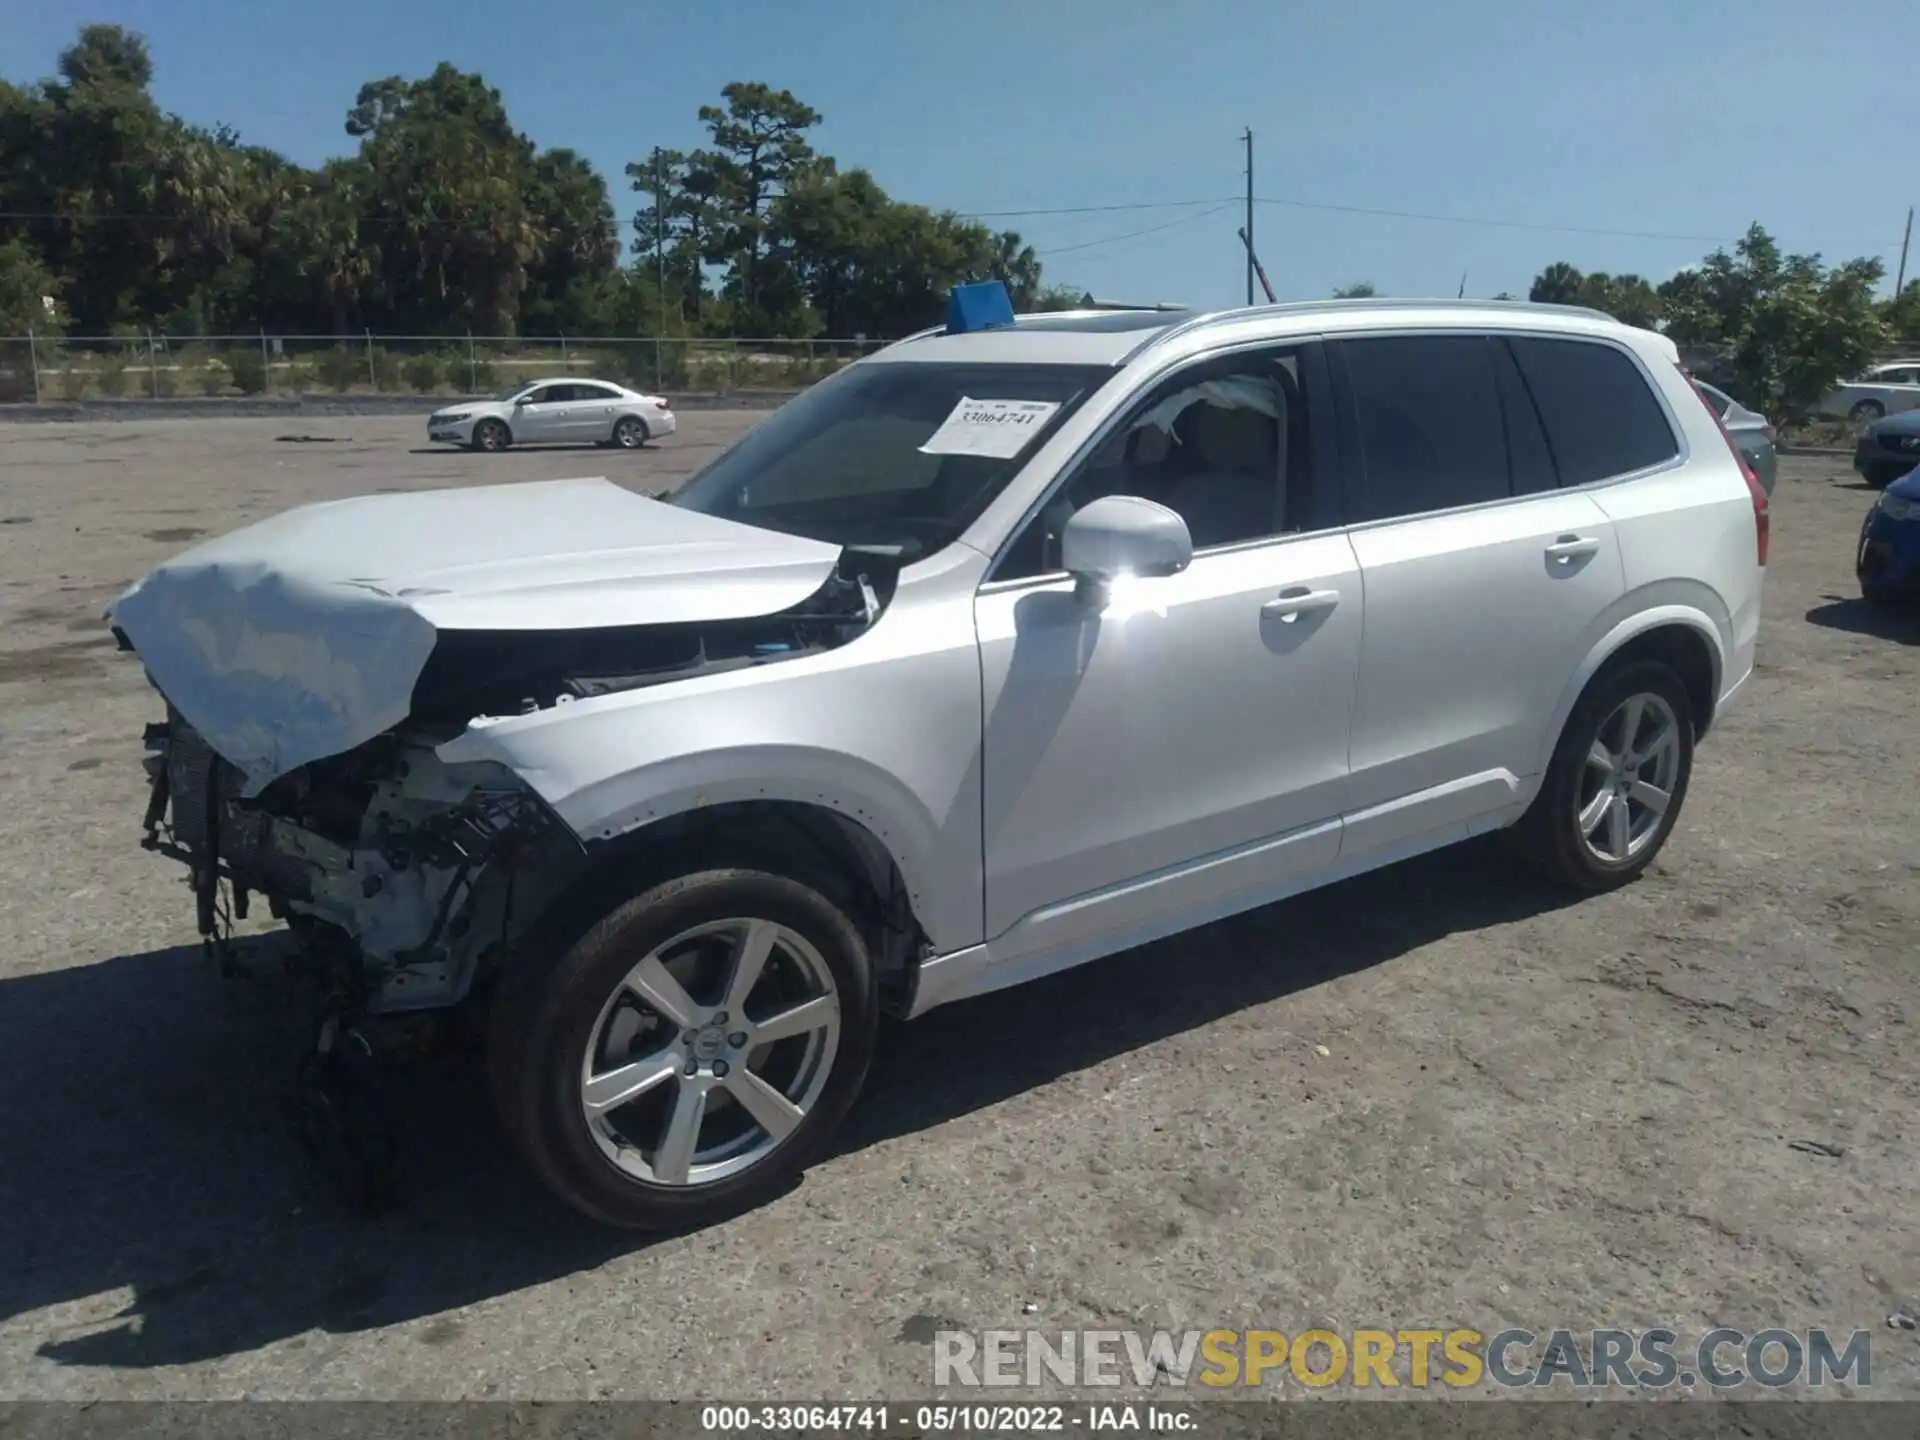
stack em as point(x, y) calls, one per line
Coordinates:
point(1687, 537)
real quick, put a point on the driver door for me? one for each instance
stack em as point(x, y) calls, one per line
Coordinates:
point(1181, 753)
point(541, 417)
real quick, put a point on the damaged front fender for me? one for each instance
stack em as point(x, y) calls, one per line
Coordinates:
point(885, 732)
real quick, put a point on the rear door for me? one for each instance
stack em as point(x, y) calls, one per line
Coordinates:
point(591, 415)
point(1485, 581)
point(1687, 527)
point(1903, 389)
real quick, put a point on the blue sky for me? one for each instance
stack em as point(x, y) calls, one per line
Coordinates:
point(1673, 120)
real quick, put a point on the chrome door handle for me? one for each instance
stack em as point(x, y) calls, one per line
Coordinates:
point(1569, 548)
point(1289, 605)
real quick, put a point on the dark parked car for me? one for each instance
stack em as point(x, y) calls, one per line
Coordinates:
point(1888, 563)
point(1889, 449)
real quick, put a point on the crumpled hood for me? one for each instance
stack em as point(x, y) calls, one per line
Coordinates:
point(301, 636)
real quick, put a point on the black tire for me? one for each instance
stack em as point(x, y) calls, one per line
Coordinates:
point(1879, 597)
point(1548, 837)
point(1866, 412)
point(548, 1006)
point(630, 432)
point(492, 436)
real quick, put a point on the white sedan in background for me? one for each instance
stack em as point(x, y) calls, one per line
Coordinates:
point(1890, 389)
point(555, 412)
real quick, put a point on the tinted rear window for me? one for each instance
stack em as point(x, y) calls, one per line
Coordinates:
point(1527, 451)
point(1600, 416)
point(1430, 427)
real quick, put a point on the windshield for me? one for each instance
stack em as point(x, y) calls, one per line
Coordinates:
point(505, 395)
point(898, 456)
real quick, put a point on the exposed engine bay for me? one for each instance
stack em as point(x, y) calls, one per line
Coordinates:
point(429, 871)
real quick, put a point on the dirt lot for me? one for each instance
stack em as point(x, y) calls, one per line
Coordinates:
point(1691, 1103)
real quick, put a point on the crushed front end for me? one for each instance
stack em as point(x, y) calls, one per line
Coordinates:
point(426, 870)
point(328, 655)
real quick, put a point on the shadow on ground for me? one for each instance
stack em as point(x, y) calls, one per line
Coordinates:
point(1857, 617)
point(524, 448)
point(152, 1156)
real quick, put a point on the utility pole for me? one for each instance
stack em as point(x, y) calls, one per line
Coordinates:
point(1248, 137)
point(1901, 279)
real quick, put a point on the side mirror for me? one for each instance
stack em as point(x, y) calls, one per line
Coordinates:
point(1123, 535)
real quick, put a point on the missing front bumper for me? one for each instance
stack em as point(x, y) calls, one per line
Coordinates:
point(428, 870)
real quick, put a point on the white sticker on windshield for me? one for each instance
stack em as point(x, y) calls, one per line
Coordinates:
point(994, 428)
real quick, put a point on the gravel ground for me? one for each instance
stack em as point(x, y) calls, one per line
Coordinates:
point(1434, 1096)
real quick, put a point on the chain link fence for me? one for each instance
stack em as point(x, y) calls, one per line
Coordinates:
point(67, 369)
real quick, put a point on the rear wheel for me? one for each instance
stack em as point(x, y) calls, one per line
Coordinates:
point(1617, 779)
point(1865, 412)
point(491, 435)
point(630, 433)
point(690, 1054)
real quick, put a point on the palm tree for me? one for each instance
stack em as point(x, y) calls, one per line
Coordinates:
point(1016, 266)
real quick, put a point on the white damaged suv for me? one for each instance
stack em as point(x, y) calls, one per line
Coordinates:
point(1013, 645)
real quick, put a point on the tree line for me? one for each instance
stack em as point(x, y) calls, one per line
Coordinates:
point(448, 220)
point(1776, 330)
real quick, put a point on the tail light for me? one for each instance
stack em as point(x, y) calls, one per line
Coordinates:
point(661, 401)
point(1762, 521)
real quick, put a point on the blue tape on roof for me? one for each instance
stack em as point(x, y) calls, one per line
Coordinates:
point(985, 306)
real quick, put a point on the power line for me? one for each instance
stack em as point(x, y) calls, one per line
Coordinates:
point(1133, 234)
point(1390, 214)
point(1093, 209)
point(1521, 224)
point(1379, 212)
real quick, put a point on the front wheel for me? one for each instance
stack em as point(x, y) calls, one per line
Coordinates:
point(690, 1054)
point(491, 435)
point(1866, 412)
point(1617, 779)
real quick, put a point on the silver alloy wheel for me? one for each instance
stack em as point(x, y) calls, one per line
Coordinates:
point(1626, 787)
point(684, 1091)
point(630, 434)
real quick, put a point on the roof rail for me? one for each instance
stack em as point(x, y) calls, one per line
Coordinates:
point(1371, 302)
point(927, 333)
point(1091, 304)
point(1036, 319)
